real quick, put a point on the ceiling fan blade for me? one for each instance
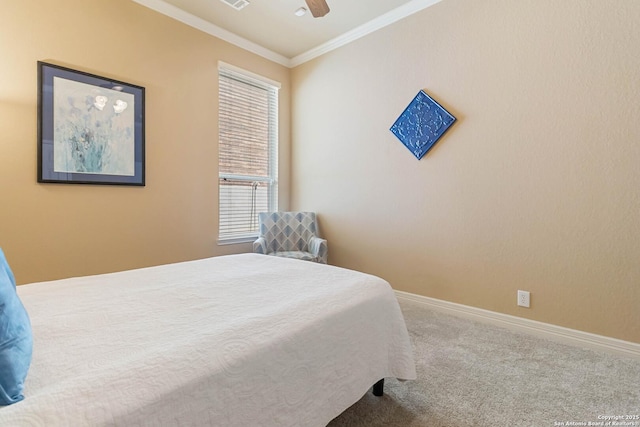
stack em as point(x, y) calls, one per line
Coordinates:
point(318, 8)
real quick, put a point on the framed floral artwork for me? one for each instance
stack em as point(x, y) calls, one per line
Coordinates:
point(90, 128)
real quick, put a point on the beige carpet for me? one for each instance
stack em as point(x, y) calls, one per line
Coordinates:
point(474, 374)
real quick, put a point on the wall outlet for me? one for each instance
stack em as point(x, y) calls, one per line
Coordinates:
point(524, 299)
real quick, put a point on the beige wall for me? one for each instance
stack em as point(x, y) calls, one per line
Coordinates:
point(51, 231)
point(536, 187)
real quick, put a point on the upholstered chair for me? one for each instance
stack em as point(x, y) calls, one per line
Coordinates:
point(291, 235)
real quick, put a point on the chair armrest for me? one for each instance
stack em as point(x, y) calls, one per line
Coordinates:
point(260, 246)
point(318, 247)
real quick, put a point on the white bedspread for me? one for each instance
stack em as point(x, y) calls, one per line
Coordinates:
point(240, 340)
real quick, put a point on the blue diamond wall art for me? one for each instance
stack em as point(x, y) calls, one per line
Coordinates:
point(421, 124)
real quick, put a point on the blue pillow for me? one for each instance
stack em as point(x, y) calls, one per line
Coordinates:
point(16, 342)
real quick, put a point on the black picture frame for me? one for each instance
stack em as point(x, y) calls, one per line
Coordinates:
point(90, 128)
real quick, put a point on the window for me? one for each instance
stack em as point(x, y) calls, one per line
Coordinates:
point(248, 152)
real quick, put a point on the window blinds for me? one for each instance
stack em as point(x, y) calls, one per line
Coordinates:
point(247, 159)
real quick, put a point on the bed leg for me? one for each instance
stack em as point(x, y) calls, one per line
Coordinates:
point(378, 388)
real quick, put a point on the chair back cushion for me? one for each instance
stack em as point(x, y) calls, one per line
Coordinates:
point(287, 231)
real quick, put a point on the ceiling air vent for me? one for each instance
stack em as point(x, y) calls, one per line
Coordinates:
point(236, 4)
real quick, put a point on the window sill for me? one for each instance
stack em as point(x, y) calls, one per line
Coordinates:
point(237, 240)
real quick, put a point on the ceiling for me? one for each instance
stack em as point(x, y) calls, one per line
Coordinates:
point(271, 28)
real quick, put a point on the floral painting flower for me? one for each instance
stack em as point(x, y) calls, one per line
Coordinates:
point(93, 131)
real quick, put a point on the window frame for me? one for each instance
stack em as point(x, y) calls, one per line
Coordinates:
point(272, 87)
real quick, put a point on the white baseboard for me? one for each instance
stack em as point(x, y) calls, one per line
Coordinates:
point(544, 330)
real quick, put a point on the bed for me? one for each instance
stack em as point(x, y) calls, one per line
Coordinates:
point(238, 340)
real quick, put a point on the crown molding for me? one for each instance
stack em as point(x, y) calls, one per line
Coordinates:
point(178, 14)
point(382, 21)
point(364, 29)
